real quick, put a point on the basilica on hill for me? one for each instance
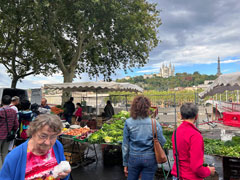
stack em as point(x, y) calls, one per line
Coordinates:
point(166, 71)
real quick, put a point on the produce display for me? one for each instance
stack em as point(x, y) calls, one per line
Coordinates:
point(123, 115)
point(218, 147)
point(56, 110)
point(85, 135)
point(76, 132)
point(113, 134)
point(212, 146)
point(110, 133)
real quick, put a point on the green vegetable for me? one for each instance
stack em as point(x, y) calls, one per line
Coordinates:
point(108, 139)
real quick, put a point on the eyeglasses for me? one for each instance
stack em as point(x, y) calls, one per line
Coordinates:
point(44, 137)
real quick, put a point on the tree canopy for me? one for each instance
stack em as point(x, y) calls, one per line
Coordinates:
point(97, 36)
point(21, 51)
point(73, 36)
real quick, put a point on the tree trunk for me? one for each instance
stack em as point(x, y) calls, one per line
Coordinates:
point(14, 82)
point(66, 94)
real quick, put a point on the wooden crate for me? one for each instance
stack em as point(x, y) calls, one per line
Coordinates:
point(74, 157)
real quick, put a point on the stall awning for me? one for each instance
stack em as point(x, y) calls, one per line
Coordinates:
point(95, 86)
point(224, 82)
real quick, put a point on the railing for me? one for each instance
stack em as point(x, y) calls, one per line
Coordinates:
point(229, 106)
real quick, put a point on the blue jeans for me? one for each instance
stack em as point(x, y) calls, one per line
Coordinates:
point(144, 165)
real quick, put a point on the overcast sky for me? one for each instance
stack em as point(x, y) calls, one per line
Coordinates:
point(193, 34)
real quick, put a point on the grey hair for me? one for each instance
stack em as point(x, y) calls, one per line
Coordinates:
point(189, 111)
point(53, 121)
point(15, 98)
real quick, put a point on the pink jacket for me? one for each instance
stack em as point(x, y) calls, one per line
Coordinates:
point(190, 147)
point(79, 112)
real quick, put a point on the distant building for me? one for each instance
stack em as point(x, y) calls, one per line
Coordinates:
point(127, 77)
point(190, 88)
point(167, 71)
point(178, 88)
point(145, 76)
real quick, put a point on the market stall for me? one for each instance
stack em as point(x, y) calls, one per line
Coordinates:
point(226, 82)
point(97, 87)
point(229, 82)
point(79, 136)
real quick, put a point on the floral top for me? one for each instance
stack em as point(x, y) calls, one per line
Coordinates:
point(40, 167)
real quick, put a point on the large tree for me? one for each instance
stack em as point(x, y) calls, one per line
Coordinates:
point(22, 52)
point(97, 36)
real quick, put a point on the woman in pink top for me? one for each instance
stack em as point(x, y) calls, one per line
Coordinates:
point(78, 114)
point(190, 147)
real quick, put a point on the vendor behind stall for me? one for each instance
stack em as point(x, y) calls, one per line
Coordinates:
point(108, 110)
point(69, 109)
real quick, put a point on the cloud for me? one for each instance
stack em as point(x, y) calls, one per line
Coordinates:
point(230, 61)
point(197, 31)
point(226, 70)
point(148, 70)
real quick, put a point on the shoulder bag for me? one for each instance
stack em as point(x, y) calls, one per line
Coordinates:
point(159, 152)
point(176, 154)
point(10, 134)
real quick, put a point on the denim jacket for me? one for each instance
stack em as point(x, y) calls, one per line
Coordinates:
point(138, 137)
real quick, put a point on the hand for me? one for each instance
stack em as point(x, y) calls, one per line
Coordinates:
point(126, 171)
point(63, 174)
point(212, 170)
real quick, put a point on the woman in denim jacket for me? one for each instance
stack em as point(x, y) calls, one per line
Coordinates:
point(137, 148)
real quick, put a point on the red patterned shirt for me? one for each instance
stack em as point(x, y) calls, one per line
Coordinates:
point(11, 119)
point(40, 167)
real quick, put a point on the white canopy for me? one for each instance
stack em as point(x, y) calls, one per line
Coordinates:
point(95, 86)
point(224, 82)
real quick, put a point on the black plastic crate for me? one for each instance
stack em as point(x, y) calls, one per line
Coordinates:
point(231, 168)
point(112, 155)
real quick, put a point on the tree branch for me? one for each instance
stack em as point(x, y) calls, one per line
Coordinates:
point(79, 50)
point(27, 74)
point(58, 57)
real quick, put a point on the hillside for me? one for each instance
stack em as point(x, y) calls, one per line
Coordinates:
point(163, 84)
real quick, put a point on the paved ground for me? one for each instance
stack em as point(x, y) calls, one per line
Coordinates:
point(97, 170)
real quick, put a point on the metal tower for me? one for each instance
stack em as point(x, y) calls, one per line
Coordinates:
point(218, 68)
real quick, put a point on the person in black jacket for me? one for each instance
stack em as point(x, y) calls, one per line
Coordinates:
point(69, 109)
point(108, 110)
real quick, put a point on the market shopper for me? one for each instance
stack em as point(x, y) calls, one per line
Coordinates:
point(69, 109)
point(14, 102)
point(9, 115)
point(108, 110)
point(137, 146)
point(190, 147)
point(25, 116)
point(78, 113)
point(39, 155)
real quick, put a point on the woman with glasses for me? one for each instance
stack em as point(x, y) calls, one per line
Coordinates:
point(37, 157)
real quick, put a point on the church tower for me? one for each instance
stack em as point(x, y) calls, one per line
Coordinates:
point(218, 68)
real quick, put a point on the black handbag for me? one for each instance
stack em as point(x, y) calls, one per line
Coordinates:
point(11, 134)
point(176, 154)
